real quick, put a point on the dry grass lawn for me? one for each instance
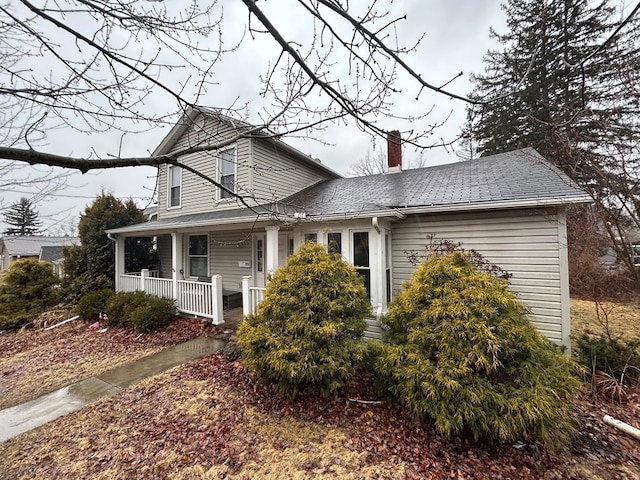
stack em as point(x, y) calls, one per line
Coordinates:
point(623, 319)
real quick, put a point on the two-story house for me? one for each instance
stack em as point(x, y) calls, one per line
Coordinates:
point(217, 251)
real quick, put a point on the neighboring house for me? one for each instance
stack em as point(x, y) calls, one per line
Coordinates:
point(39, 247)
point(610, 258)
point(509, 207)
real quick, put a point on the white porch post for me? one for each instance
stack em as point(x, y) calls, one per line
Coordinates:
point(216, 297)
point(379, 265)
point(144, 274)
point(247, 283)
point(272, 248)
point(176, 260)
point(119, 261)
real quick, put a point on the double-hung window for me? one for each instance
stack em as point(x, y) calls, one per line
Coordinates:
point(227, 172)
point(198, 255)
point(174, 176)
point(361, 259)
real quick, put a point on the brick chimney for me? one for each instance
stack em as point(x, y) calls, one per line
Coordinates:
point(394, 151)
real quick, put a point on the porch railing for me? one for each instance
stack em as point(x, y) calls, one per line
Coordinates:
point(251, 296)
point(160, 287)
point(129, 282)
point(195, 298)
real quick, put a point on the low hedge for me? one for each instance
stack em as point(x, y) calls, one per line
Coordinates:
point(139, 310)
point(93, 303)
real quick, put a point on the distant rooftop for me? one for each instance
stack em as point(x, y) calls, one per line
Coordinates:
point(30, 245)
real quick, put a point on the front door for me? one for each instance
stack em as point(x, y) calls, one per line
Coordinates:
point(259, 243)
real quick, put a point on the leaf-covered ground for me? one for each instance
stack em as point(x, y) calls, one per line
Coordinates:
point(210, 419)
point(36, 361)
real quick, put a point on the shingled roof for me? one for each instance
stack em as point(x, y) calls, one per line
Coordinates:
point(518, 179)
point(30, 245)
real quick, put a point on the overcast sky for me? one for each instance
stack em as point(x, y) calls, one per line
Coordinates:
point(456, 38)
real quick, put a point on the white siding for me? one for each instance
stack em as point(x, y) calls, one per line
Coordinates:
point(527, 244)
point(278, 173)
point(198, 194)
point(225, 250)
point(264, 171)
point(163, 245)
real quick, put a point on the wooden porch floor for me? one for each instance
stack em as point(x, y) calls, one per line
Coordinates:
point(232, 319)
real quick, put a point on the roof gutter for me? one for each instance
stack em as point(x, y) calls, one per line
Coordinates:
point(502, 205)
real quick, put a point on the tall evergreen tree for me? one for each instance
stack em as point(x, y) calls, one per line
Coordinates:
point(91, 265)
point(22, 218)
point(558, 87)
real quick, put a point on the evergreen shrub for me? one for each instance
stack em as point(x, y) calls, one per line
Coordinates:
point(617, 357)
point(120, 306)
point(139, 310)
point(463, 355)
point(27, 288)
point(307, 331)
point(94, 303)
point(154, 313)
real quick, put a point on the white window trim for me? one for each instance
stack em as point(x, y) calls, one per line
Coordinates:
point(374, 289)
point(169, 186)
point(343, 247)
point(219, 172)
point(188, 256)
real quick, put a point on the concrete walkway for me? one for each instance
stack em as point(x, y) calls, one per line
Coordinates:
point(26, 416)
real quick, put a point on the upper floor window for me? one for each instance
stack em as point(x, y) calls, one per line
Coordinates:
point(174, 176)
point(227, 172)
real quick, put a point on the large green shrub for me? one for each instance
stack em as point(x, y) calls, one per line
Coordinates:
point(154, 313)
point(307, 332)
point(27, 288)
point(139, 310)
point(120, 306)
point(463, 355)
point(94, 303)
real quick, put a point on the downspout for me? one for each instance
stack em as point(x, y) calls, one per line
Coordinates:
point(374, 222)
point(116, 273)
point(376, 226)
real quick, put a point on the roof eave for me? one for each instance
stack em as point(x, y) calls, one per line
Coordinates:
point(152, 228)
point(497, 205)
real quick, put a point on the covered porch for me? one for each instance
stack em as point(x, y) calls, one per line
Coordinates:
point(210, 271)
point(204, 299)
point(216, 268)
